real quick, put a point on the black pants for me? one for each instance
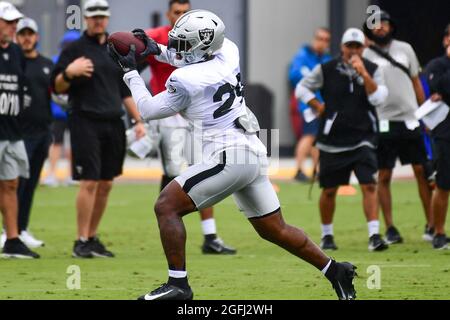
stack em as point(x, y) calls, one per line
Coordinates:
point(37, 151)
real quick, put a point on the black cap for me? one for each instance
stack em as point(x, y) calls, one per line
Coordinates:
point(382, 16)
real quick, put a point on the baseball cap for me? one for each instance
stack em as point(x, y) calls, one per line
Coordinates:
point(8, 12)
point(353, 35)
point(94, 8)
point(27, 23)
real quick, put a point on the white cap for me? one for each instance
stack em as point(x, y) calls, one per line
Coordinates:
point(27, 23)
point(8, 12)
point(353, 35)
point(94, 8)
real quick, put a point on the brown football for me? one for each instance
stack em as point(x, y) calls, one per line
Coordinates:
point(122, 42)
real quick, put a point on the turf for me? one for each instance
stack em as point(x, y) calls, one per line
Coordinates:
point(259, 271)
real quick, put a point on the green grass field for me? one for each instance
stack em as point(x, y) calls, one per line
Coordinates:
point(259, 271)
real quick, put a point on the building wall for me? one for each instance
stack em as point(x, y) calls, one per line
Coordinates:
point(355, 13)
point(275, 32)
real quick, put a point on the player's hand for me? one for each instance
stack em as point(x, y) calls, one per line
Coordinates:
point(358, 65)
point(127, 63)
point(139, 130)
point(81, 67)
point(151, 47)
point(320, 110)
point(436, 97)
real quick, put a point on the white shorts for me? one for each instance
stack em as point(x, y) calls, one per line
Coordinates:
point(236, 172)
point(13, 160)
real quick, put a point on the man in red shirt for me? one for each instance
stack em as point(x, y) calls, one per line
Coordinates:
point(174, 131)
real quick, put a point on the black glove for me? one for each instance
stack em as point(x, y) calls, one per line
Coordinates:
point(127, 63)
point(151, 47)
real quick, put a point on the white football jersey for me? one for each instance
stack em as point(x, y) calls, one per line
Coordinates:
point(210, 96)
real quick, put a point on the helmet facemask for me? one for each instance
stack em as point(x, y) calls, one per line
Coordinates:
point(196, 36)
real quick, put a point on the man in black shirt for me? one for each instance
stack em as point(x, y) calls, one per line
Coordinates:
point(35, 121)
point(13, 157)
point(351, 88)
point(96, 92)
point(438, 73)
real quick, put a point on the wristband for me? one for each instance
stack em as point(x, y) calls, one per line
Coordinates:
point(66, 77)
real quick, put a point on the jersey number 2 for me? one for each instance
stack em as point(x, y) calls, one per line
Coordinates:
point(233, 91)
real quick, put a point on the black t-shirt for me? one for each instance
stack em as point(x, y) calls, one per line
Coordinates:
point(37, 117)
point(438, 74)
point(98, 97)
point(12, 68)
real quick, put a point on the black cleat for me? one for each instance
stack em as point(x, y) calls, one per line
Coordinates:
point(342, 281)
point(81, 249)
point(169, 292)
point(440, 242)
point(376, 243)
point(327, 243)
point(98, 249)
point(301, 177)
point(15, 248)
point(393, 236)
point(216, 246)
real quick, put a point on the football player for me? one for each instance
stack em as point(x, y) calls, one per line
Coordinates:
point(206, 89)
point(172, 132)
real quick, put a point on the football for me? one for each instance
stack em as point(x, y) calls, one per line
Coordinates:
point(122, 42)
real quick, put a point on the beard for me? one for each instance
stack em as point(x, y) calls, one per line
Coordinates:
point(382, 40)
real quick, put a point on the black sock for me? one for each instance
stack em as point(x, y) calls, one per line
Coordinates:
point(210, 237)
point(179, 282)
point(332, 270)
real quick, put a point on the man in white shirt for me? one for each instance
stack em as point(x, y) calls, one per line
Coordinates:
point(400, 133)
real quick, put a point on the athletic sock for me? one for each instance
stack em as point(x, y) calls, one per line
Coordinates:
point(327, 230)
point(330, 270)
point(324, 270)
point(209, 227)
point(178, 279)
point(374, 227)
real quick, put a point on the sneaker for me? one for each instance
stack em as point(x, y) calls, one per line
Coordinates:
point(98, 249)
point(81, 249)
point(50, 181)
point(15, 248)
point(440, 242)
point(301, 177)
point(2, 239)
point(29, 240)
point(327, 243)
point(428, 234)
point(217, 246)
point(393, 236)
point(169, 292)
point(343, 281)
point(376, 243)
point(69, 182)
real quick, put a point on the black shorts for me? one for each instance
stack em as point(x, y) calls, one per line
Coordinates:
point(98, 148)
point(336, 168)
point(442, 162)
point(58, 129)
point(407, 145)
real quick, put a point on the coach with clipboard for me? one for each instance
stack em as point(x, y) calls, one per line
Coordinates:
point(438, 74)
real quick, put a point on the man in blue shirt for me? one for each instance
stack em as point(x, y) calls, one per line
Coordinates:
point(307, 57)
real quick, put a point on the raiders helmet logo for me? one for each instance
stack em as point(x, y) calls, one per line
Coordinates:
point(206, 36)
